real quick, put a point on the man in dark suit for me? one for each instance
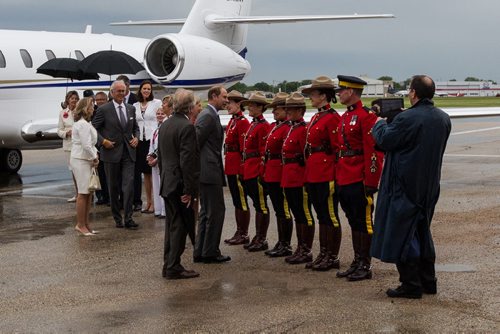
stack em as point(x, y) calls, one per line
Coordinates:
point(210, 136)
point(130, 97)
point(117, 135)
point(179, 164)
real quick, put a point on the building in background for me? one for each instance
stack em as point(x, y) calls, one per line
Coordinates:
point(467, 88)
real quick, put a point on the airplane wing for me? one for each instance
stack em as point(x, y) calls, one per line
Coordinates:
point(291, 18)
point(220, 20)
point(170, 22)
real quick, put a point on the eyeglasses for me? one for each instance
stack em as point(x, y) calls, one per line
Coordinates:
point(119, 90)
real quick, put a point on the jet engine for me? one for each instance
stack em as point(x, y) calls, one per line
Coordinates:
point(187, 60)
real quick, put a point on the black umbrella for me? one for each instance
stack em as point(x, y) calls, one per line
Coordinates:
point(111, 62)
point(68, 68)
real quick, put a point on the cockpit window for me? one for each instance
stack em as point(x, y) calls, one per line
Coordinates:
point(28, 62)
point(50, 55)
point(79, 55)
point(2, 60)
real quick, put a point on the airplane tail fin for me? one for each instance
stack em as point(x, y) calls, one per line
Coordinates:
point(199, 22)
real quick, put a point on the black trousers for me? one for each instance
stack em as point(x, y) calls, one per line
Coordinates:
point(175, 234)
point(141, 166)
point(102, 194)
point(258, 193)
point(238, 192)
point(300, 205)
point(212, 211)
point(325, 201)
point(358, 206)
point(120, 178)
point(278, 200)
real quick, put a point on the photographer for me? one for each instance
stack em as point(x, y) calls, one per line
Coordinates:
point(414, 143)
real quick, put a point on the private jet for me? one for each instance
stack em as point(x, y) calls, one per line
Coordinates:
point(209, 49)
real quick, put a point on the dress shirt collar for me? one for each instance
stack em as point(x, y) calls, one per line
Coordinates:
point(117, 105)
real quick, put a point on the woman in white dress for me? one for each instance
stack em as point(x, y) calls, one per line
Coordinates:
point(83, 159)
point(153, 162)
point(64, 128)
point(145, 112)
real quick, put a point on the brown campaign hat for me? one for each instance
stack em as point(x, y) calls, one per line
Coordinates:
point(296, 100)
point(278, 100)
point(235, 96)
point(258, 98)
point(322, 82)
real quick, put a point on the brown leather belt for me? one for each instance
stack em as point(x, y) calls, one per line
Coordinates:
point(250, 155)
point(286, 161)
point(272, 156)
point(315, 149)
point(349, 153)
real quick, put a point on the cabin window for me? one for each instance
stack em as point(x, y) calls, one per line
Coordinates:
point(79, 55)
point(2, 60)
point(50, 55)
point(28, 62)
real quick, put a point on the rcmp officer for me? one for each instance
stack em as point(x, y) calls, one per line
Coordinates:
point(233, 167)
point(358, 173)
point(253, 152)
point(272, 176)
point(321, 145)
point(293, 175)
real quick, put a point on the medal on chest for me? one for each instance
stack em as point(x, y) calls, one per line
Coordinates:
point(354, 120)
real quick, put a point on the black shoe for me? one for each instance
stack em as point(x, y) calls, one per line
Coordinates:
point(137, 207)
point(216, 259)
point(131, 225)
point(429, 289)
point(101, 202)
point(275, 249)
point(119, 224)
point(197, 259)
point(404, 292)
point(185, 274)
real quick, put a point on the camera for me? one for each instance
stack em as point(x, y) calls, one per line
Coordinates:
point(388, 107)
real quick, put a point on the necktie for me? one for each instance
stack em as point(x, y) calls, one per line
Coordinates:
point(122, 117)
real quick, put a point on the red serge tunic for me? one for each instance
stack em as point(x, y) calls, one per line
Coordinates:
point(272, 155)
point(233, 144)
point(293, 155)
point(321, 146)
point(254, 146)
point(358, 160)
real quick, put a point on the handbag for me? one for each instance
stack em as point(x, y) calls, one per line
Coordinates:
point(94, 183)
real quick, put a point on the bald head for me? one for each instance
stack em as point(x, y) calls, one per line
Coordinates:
point(424, 86)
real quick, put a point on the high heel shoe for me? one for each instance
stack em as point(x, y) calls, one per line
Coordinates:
point(83, 233)
point(148, 209)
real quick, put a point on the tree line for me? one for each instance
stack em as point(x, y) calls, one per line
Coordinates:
point(292, 86)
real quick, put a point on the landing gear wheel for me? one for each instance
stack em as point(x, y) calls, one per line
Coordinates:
point(10, 160)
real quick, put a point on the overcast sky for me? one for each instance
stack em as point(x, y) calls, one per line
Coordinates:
point(447, 39)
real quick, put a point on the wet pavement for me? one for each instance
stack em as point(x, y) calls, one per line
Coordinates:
point(54, 281)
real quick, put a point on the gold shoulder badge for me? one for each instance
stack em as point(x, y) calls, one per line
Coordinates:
point(373, 166)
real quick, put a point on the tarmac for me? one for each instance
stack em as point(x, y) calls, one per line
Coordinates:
point(54, 281)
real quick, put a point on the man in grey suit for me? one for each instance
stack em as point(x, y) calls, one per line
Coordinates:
point(179, 164)
point(117, 132)
point(210, 136)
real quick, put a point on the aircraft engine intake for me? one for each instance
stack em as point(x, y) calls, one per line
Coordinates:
point(164, 58)
point(187, 59)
